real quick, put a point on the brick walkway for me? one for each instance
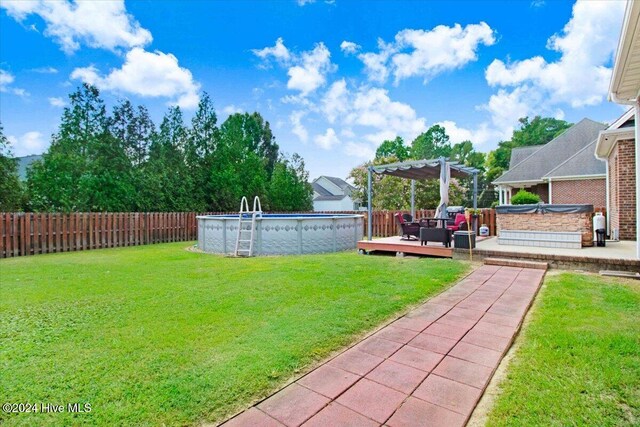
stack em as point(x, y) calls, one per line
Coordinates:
point(428, 368)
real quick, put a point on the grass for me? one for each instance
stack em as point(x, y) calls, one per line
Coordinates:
point(579, 362)
point(156, 335)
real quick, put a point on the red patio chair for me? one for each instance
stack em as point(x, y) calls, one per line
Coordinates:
point(460, 223)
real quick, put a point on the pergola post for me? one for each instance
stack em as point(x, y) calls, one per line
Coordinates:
point(475, 190)
point(369, 202)
point(413, 198)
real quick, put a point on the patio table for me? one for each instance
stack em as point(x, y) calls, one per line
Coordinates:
point(428, 221)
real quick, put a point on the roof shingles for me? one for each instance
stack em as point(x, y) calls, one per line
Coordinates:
point(553, 154)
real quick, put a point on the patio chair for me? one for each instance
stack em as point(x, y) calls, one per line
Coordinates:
point(460, 223)
point(409, 229)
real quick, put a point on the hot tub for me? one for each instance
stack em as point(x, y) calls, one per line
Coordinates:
point(283, 234)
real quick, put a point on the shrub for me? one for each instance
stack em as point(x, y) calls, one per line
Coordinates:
point(523, 197)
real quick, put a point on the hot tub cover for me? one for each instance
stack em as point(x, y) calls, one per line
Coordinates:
point(543, 208)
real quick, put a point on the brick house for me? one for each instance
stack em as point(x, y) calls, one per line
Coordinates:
point(617, 146)
point(562, 171)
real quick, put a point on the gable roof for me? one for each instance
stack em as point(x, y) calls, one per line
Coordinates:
point(551, 155)
point(324, 194)
point(344, 185)
point(518, 154)
point(580, 164)
point(320, 189)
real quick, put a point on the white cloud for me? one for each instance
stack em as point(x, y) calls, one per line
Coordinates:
point(45, 70)
point(360, 150)
point(57, 102)
point(305, 2)
point(6, 84)
point(311, 72)
point(232, 109)
point(279, 52)
point(581, 75)
point(147, 74)
point(426, 53)
point(349, 47)
point(97, 24)
point(334, 102)
point(373, 108)
point(376, 63)
point(27, 144)
point(483, 134)
point(327, 140)
point(297, 128)
point(307, 71)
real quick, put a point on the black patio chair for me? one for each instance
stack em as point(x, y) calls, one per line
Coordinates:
point(409, 229)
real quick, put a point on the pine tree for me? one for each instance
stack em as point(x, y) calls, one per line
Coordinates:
point(11, 192)
point(54, 182)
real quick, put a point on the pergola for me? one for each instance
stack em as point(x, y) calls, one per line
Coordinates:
point(418, 169)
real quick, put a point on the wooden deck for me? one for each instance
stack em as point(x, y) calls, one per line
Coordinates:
point(413, 247)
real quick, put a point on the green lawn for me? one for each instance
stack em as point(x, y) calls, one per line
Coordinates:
point(156, 335)
point(579, 363)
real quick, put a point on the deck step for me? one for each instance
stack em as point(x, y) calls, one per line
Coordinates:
point(516, 263)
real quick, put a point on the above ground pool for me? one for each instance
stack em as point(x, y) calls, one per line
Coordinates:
point(283, 234)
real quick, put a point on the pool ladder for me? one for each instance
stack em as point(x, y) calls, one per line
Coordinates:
point(244, 245)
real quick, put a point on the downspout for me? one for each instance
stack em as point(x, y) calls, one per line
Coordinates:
point(369, 203)
point(606, 194)
point(636, 103)
point(550, 192)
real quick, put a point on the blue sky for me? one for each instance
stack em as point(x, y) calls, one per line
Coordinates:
point(334, 78)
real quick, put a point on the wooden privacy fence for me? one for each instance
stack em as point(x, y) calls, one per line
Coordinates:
point(40, 233)
point(384, 223)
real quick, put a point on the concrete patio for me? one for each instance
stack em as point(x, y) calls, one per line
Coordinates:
point(427, 368)
point(620, 255)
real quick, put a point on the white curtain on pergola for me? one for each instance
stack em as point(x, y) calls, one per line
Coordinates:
point(445, 178)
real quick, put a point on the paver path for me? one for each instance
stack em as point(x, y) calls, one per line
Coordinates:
point(428, 368)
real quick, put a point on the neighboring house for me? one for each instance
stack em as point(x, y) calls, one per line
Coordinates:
point(24, 163)
point(562, 171)
point(333, 194)
point(618, 146)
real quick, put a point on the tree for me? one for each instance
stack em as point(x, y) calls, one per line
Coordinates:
point(107, 183)
point(289, 189)
point(54, 182)
point(393, 148)
point(243, 158)
point(431, 144)
point(200, 152)
point(168, 184)
point(11, 193)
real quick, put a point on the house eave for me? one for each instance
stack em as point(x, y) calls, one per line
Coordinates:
point(623, 88)
point(575, 177)
point(516, 183)
point(607, 139)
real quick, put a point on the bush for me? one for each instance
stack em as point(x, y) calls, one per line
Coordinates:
point(523, 197)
